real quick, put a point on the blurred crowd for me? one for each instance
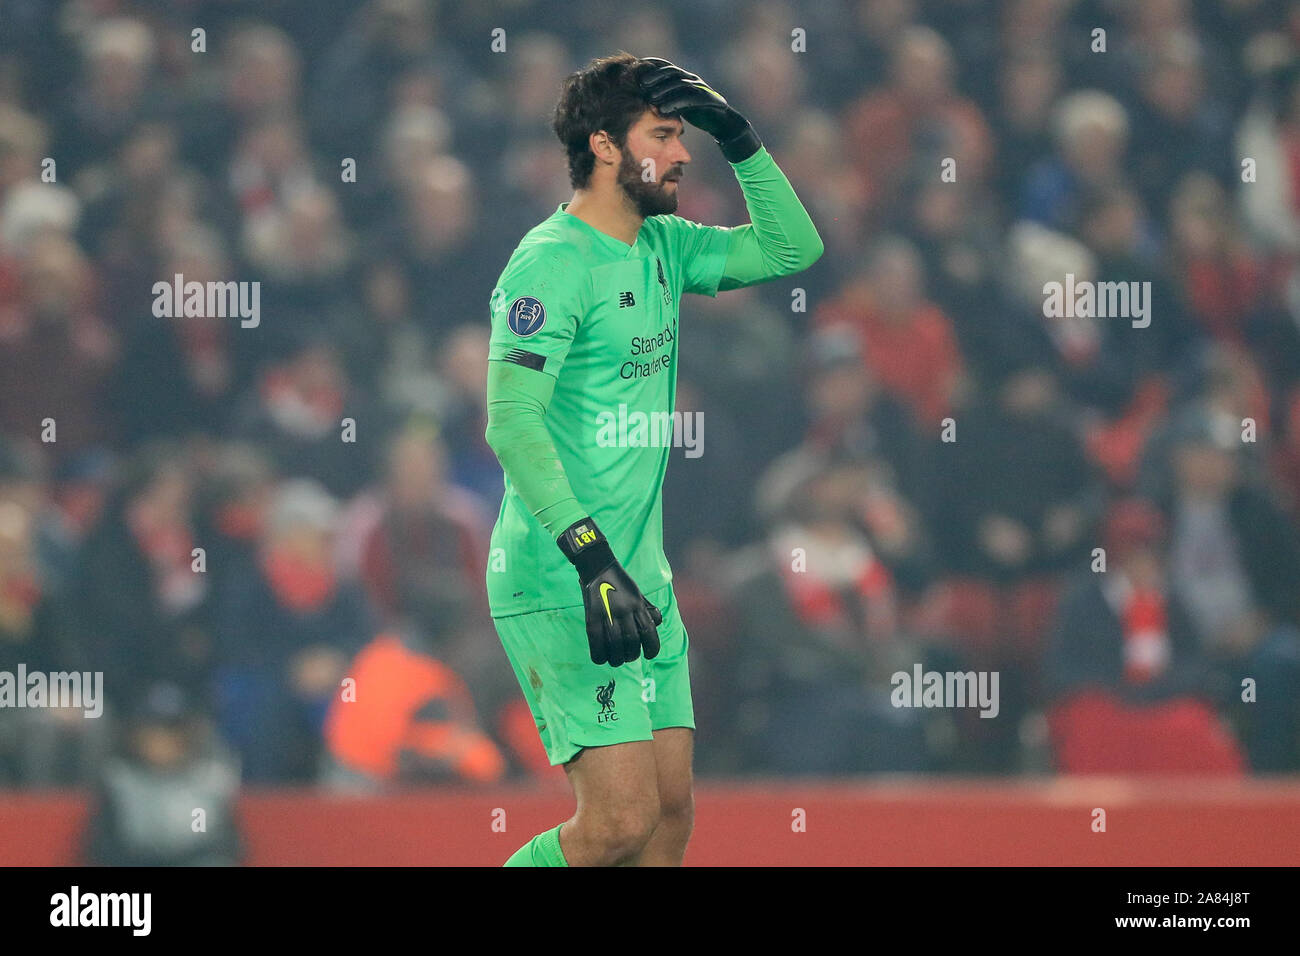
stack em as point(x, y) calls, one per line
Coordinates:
point(272, 539)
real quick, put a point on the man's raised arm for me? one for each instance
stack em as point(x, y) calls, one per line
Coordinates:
point(780, 238)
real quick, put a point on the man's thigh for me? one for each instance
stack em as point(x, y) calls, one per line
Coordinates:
point(673, 752)
point(613, 778)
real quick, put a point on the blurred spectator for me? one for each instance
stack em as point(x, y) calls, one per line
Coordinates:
point(1232, 291)
point(916, 122)
point(818, 611)
point(1269, 134)
point(1112, 223)
point(125, 206)
point(368, 57)
point(760, 50)
point(286, 629)
point(1015, 495)
point(234, 495)
point(298, 413)
point(860, 55)
point(259, 79)
point(424, 559)
point(1124, 668)
point(1029, 83)
point(178, 373)
point(462, 413)
point(1120, 628)
point(908, 342)
point(1221, 384)
point(55, 352)
point(412, 721)
point(41, 746)
point(1235, 560)
point(853, 423)
point(954, 229)
point(140, 600)
point(23, 142)
point(115, 92)
point(390, 355)
point(1091, 131)
point(705, 500)
point(303, 254)
point(1230, 546)
point(167, 798)
point(1177, 106)
point(434, 235)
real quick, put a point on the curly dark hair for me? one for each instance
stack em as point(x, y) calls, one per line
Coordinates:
point(602, 96)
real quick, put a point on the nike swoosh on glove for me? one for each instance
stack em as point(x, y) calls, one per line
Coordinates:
point(620, 621)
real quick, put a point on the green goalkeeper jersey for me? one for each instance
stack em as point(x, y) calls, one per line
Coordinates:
point(600, 318)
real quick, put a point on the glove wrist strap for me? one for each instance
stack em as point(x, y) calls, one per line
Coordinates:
point(586, 548)
point(740, 147)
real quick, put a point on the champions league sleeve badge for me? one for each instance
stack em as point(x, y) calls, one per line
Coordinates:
point(527, 316)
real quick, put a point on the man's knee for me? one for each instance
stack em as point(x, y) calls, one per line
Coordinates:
point(623, 828)
point(677, 809)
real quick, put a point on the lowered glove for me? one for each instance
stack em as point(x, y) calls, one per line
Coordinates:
point(670, 89)
point(620, 621)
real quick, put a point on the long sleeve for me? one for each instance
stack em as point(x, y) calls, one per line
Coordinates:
point(780, 238)
point(517, 398)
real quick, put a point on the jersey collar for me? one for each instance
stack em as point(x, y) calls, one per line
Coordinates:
point(615, 245)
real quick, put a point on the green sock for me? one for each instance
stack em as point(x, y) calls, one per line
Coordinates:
point(541, 850)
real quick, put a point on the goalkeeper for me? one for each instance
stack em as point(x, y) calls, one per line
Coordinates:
point(584, 320)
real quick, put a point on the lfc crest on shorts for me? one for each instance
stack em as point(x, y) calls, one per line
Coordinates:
point(605, 697)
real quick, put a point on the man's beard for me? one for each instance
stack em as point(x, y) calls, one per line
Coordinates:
point(649, 198)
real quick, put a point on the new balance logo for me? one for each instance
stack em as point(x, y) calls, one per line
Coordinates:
point(625, 300)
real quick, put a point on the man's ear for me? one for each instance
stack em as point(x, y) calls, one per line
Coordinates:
point(603, 146)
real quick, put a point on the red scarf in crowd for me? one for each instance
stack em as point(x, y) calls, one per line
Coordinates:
point(298, 585)
point(1146, 636)
point(820, 600)
point(169, 548)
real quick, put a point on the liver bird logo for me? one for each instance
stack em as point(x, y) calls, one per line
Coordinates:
point(605, 697)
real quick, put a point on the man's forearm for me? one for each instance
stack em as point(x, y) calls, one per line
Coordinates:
point(780, 238)
point(516, 431)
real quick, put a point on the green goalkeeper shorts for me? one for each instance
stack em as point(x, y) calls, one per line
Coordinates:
point(576, 703)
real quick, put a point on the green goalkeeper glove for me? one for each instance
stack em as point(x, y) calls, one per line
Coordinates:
point(670, 89)
point(620, 621)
